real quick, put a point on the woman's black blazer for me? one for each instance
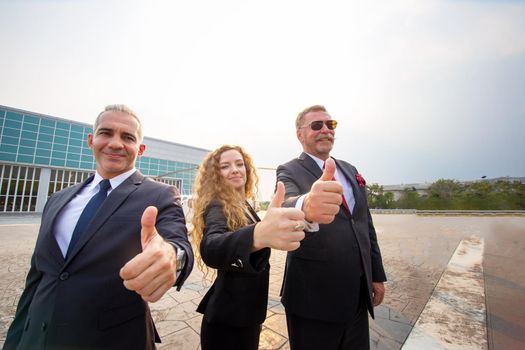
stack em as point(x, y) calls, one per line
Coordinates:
point(239, 294)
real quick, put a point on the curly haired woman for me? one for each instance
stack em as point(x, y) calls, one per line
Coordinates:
point(229, 236)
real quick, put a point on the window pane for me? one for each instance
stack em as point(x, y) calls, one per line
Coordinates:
point(47, 122)
point(30, 127)
point(72, 164)
point(11, 157)
point(57, 162)
point(29, 135)
point(8, 140)
point(58, 147)
point(26, 150)
point(11, 132)
point(77, 128)
point(8, 148)
point(75, 142)
point(42, 160)
point(44, 137)
point(24, 158)
point(47, 130)
point(64, 126)
point(12, 124)
point(31, 119)
point(43, 152)
point(13, 116)
point(44, 145)
point(61, 140)
point(73, 156)
point(63, 133)
point(27, 143)
point(59, 155)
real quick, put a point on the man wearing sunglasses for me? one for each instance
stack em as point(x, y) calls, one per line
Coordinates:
point(337, 273)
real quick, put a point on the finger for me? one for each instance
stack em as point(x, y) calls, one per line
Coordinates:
point(278, 197)
point(292, 246)
point(148, 232)
point(329, 170)
point(293, 214)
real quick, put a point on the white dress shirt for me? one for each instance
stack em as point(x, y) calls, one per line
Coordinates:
point(347, 192)
point(68, 217)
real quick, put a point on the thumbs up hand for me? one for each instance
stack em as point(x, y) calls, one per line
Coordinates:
point(278, 197)
point(281, 228)
point(322, 203)
point(154, 271)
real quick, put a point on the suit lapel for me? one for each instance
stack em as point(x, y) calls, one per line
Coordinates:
point(350, 175)
point(310, 165)
point(111, 204)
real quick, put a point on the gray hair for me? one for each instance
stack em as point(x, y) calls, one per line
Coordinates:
point(119, 108)
point(300, 117)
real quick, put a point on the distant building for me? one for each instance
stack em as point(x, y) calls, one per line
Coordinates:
point(398, 190)
point(41, 154)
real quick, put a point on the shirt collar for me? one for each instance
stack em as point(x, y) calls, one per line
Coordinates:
point(114, 181)
point(319, 161)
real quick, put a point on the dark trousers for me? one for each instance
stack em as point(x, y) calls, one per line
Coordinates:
point(218, 336)
point(309, 334)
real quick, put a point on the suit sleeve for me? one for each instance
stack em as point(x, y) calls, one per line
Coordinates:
point(292, 191)
point(171, 225)
point(378, 271)
point(230, 251)
point(32, 281)
point(17, 327)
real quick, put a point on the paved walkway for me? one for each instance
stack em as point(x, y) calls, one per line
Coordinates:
point(416, 251)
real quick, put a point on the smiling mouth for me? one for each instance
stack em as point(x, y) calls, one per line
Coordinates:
point(115, 155)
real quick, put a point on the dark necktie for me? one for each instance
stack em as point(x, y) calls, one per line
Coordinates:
point(87, 214)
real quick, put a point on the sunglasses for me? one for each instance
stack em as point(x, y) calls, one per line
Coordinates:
point(317, 125)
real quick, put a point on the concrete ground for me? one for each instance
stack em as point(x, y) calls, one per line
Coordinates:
point(416, 251)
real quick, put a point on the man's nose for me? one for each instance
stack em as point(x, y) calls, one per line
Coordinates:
point(116, 142)
point(325, 128)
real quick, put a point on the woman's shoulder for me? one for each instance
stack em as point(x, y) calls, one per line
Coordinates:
point(214, 203)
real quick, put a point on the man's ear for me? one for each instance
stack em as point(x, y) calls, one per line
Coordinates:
point(90, 141)
point(299, 134)
point(142, 149)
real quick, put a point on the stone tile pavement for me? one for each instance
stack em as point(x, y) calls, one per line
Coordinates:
point(416, 251)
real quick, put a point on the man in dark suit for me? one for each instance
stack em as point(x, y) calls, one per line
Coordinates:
point(105, 249)
point(337, 273)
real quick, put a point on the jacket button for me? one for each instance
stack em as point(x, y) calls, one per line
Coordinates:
point(44, 326)
point(64, 276)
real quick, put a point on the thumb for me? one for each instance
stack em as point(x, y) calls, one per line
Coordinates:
point(148, 232)
point(278, 197)
point(329, 170)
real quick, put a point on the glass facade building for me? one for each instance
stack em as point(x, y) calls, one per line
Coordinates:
point(41, 154)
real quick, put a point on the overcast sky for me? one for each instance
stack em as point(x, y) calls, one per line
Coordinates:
point(422, 90)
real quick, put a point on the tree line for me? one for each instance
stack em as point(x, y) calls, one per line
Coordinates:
point(446, 194)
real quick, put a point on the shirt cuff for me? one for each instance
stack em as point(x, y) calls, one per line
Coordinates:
point(308, 226)
point(181, 257)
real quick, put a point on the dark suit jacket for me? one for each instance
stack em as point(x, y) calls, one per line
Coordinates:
point(322, 277)
point(81, 302)
point(239, 294)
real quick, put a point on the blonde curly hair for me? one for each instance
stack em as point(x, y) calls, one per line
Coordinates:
point(210, 186)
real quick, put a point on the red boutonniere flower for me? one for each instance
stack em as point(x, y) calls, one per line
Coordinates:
point(360, 180)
